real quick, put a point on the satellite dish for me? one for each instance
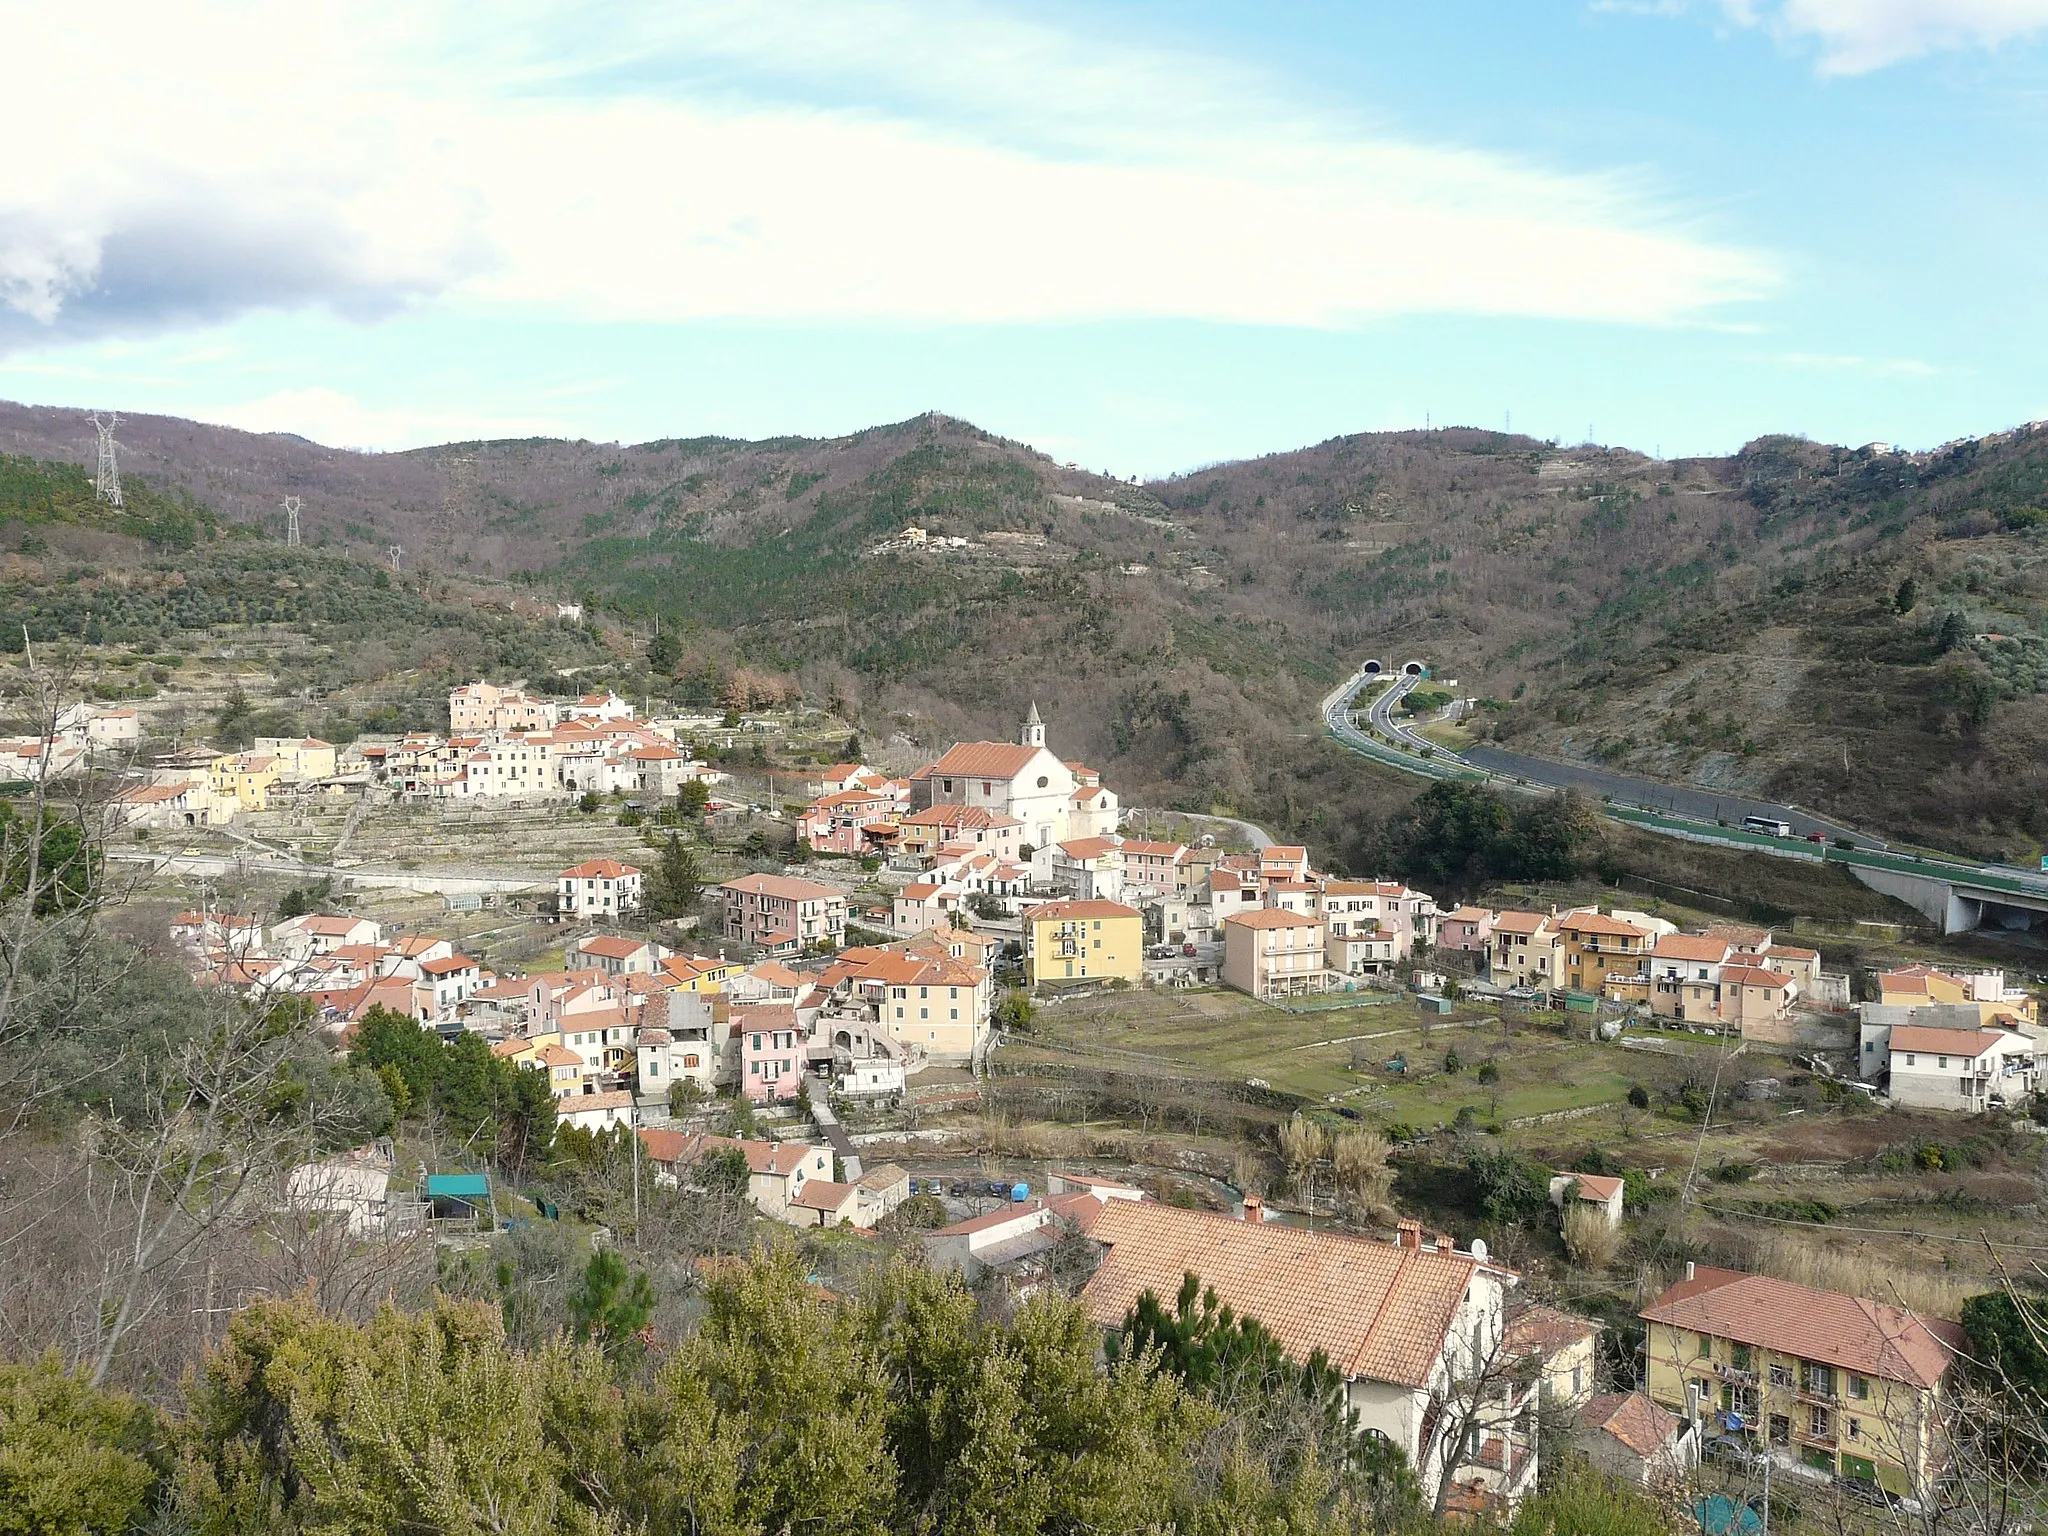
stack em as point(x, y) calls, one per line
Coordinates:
point(1479, 1249)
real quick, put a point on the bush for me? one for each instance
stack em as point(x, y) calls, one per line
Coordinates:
point(1489, 1072)
point(1591, 1241)
point(1638, 1097)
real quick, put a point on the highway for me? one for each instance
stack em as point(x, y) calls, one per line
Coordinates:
point(1674, 810)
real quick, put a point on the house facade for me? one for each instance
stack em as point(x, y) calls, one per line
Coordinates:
point(783, 915)
point(1274, 953)
point(599, 888)
point(1083, 941)
point(1835, 1385)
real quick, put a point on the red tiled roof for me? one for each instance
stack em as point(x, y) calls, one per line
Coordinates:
point(1594, 922)
point(1690, 946)
point(823, 1195)
point(1869, 1337)
point(787, 887)
point(1379, 1311)
point(1597, 1187)
point(982, 760)
point(1752, 976)
point(1970, 1043)
point(961, 816)
point(611, 946)
point(1632, 1419)
point(570, 1104)
point(1538, 1329)
point(447, 967)
point(599, 869)
point(1060, 911)
point(1520, 922)
point(1273, 917)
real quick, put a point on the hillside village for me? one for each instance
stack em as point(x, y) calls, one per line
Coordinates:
point(1014, 885)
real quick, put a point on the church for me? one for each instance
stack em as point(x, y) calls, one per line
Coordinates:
point(1055, 802)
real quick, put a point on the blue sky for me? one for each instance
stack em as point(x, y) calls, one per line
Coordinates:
point(1141, 236)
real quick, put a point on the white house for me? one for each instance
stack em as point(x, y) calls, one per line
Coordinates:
point(1965, 1069)
point(1597, 1190)
point(595, 1111)
point(1418, 1331)
point(600, 888)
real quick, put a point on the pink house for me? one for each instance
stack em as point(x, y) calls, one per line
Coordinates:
point(838, 822)
point(771, 1051)
point(1467, 928)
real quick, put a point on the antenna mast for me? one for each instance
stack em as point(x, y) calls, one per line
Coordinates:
point(106, 483)
point(291, 521)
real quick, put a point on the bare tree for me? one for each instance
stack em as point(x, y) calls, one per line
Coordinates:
point(1481, 1410)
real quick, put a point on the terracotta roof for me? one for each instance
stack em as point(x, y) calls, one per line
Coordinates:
point(1594, 922)
point(1869, 1337)
point(1690, 946)
point(1598, 1187)
point(1080, 1205)
point(1379, 1311)
point(1736, 933)
point(556, 1056)
point(448, 966)
point(327, 923)
point(611, 946)
point(1061, 911)
point(1272, 917)
point(883, 1177)
point(786, 887)
point(776, 974)
point(1632, 1419)
point(982, 760)
point(1753, 976)
point(574, 1103)
point(961, 816)
point(1953, 1042)
point(1788, 952)
point(510, 1047)
point(823, 1195)
point(599, 869)
point(1471, 915)
point(1520, 922)
point(1537, 1329)
point(1088, 847)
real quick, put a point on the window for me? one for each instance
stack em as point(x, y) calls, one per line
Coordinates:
point(1941, 1063)
point(1739, 1357)
point(1909, 1058)
point(1859, 1386)
point(1780, 1374)
point(690, 1061)
point(1706, 1346)
point(1820, 1379)
point(1819, 1422)
point(1578, 1379)
point(1855, 1429)
point(1780, 1429)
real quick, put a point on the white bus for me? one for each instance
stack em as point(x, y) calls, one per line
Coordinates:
point(1764, 826)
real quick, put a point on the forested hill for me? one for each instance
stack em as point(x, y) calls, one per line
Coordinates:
point(1736, 621)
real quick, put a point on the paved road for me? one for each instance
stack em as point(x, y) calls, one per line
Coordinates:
point(1257, 836)
point(1676, 800)
point(1675, 809)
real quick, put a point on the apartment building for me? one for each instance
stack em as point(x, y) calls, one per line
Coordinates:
point(1083, 940)
point(783, 915)
point(1274, 953)
point(1837, 1385)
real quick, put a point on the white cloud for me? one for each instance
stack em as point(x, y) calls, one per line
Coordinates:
point(1857, 36)
point(1868, 367)
point(864, 160)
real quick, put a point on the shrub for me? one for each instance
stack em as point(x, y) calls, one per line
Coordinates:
point(1591, 1241)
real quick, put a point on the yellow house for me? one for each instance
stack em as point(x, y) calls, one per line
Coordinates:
point(1077, 940)
point(299, 757)
point(1596, 945)
point(245, 778)
point(1849, 1386)
point(696, 973)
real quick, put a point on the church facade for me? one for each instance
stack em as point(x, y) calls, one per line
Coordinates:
point(1053, 800)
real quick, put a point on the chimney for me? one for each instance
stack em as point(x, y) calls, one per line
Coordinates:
point(1688, 1269)
point(1411, 1234)
point(1254, 1209)
point(1444, 1243)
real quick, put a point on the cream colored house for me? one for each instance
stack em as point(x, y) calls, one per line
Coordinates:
point(1274, 953)
point(1842, 1386)
point(299, 757)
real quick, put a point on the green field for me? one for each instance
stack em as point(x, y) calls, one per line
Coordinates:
point(1228, 1037)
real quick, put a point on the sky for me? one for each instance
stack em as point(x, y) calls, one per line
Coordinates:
point(1143, 236)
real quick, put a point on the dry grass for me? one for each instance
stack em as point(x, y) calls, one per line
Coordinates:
point(1858, 1271)
point(1594, 1243)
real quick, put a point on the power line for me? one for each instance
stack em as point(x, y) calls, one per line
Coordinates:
point(106, 481)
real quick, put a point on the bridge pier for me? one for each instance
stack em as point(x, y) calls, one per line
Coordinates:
point(1954, 906)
